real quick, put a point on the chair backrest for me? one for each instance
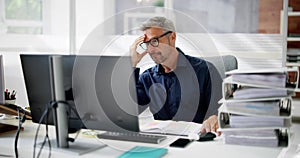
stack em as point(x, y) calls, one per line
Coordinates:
point(218, 65)
point(226, 62)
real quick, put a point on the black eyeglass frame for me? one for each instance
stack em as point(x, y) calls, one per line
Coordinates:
point(156, 39)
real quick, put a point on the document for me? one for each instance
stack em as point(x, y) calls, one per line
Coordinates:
point(190, 130)
point(272, 80)
point(271, 77)
point(253, 137)
point(251, 92)
point(270, 108)
point(241, 121)
point(262, 71)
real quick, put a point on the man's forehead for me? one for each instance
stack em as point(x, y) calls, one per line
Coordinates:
point(153, 31)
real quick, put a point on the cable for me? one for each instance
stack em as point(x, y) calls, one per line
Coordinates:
point(37, 131)
point(45, 139)
point(51, 105)
point(55, 104)
point(21, 121)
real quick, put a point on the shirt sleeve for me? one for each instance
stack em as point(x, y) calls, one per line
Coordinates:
point(205, 83)
point(143, 99)
point(215, 82)
point(208, 89)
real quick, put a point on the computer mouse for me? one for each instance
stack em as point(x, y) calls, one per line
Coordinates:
point(207, 136)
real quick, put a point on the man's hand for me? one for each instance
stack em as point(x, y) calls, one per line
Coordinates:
point(211, 124)
point(135, 56)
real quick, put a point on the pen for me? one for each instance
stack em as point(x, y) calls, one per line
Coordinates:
point(5, 94)
point(10, 96)
point(13, 95)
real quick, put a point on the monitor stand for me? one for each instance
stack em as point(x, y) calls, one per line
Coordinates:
point(60, 114)
point(75, 148)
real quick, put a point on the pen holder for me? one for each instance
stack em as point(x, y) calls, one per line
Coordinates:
point(13, 101)
point(7, 116)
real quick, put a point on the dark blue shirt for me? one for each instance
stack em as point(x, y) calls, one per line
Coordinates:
point(183, 94)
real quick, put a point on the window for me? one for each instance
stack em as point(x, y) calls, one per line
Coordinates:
point(21, 16)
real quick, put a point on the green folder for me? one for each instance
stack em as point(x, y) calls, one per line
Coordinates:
point(144, 152)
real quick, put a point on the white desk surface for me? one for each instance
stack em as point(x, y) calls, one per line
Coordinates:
point(211, 149)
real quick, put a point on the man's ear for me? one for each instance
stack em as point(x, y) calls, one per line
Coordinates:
point(173, 36)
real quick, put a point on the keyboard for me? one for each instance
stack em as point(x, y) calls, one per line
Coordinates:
point(135, 137)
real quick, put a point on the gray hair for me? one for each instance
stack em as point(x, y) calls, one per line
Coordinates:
point(160, 22)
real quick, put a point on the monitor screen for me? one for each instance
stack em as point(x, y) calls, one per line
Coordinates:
point(101, 88)
point(36, 71)
point(105, 93)
point(2, 86)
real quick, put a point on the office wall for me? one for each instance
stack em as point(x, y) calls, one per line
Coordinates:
point(269, 16)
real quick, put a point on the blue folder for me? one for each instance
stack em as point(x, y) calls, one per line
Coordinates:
point(144, 152)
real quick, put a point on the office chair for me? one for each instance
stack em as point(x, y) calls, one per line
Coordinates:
point(218, 65)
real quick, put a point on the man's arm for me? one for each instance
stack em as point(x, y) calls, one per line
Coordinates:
point(136, 58)
point(141, 92)
point(211, 124)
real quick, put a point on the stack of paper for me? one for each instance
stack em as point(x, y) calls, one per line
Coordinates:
point(276, 79)
point(190, 130)
point(271, 108)
point(256, 107)
point(254, 137)
point(279, 77)
point(241, 121)
point(250, 92)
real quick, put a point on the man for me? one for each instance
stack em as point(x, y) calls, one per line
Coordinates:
point(179, 86)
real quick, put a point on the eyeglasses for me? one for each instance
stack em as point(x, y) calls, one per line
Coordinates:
point(154, 41)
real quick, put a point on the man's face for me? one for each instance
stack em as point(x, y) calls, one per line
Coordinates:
point(164, 49)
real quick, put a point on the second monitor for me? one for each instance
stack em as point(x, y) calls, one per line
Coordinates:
point(100, 87)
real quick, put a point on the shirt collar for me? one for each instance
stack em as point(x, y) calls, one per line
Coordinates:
point(181, 62)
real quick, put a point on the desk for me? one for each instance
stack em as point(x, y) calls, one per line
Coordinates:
point(204, 149)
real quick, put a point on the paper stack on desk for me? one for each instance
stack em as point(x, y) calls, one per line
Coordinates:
point(256, 107)
point(276, 79)
point(268, 138)
point(184, 129)
point(251, 92)
point(259, 107)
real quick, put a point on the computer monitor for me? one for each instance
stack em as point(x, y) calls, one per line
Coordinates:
point(101, 88)
point(2, 86)
point(38, 82)
point(105, 93)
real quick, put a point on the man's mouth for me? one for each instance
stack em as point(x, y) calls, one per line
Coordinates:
point(154, 54)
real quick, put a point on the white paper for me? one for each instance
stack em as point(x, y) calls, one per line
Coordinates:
point(276, 80)
point(177, 128)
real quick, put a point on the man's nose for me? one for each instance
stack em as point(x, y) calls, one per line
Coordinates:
point(150, 48)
